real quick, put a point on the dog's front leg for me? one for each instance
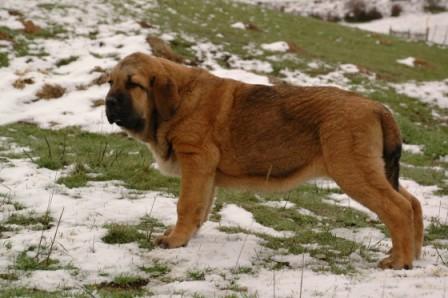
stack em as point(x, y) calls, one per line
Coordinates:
point(197, 185)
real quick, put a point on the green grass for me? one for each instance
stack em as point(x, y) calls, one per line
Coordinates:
point(129, 281)
point(436, 230)
point(122, 286)
point(14, 292)
point(9, 276)
point(7, 199)
point(115, 157)
point(66, 61)
point(140, 233)
point(109, 157)
point(329, 42)
point(27, 263)
point(121, 233)
point(22, 41)
point(96, 157)
point(4, 60)
point(157, 270)
point(32, 220)
point(196, 275)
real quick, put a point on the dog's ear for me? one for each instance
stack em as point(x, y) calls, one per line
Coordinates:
point(165, 95)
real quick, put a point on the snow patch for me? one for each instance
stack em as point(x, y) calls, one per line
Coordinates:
point(432, 92)
point(280, 204)
point(238, 25)
point(409, 61)
point(414, 149)
point(279, 46)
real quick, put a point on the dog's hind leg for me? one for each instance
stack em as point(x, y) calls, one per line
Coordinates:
point(418, 220)
point(366, 183)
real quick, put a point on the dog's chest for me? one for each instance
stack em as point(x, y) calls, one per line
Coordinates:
point(168, 167)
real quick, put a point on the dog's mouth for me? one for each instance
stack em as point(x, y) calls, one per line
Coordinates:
point(117, 122)
point(133, 123)
point(112, 118)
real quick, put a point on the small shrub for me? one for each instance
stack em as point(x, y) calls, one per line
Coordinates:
point(396, 10)
point(358, 12)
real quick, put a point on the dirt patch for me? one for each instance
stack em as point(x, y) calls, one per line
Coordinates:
point(161, 49)
point(30, 27)
point(145, 24)
point(252, 27)
point(295, 48)
point(21, 83)
point(422, 63)
point(5, 36)
point(49, 91)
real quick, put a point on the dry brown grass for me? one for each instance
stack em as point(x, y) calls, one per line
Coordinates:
point(49, 91)
point(21, 83)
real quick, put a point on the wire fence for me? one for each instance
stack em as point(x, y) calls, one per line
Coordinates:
point(436, 34)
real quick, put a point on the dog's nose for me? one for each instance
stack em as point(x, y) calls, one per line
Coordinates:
point(111, 101)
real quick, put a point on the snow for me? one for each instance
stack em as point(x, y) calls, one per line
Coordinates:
point(241, 75)
point(409, 61)
point(238, 25)
point(432, 92)
point(419, 283)
point(6, 21)
point(413, 18)
point(436, 24)
point(279, 46)
point(349, 68)
point(280, 204)
point(87, 209)
point(414, 149)
point(250, 65)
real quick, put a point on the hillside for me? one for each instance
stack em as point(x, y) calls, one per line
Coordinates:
point(80, 203)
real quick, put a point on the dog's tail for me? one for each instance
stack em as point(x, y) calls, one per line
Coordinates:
point(391, 147)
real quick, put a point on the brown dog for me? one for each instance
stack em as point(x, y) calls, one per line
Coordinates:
point(220, 132)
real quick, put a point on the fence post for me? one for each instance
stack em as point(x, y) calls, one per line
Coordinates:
point(446, 36)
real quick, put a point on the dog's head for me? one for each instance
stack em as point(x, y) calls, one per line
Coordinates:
point(141, 95)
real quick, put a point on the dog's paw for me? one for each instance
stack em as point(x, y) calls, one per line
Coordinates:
point(392, 263)
point(170, 242)
point(168, 231)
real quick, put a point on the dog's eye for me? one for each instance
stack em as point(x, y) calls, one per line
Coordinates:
point(110, 82)
point(132, 85)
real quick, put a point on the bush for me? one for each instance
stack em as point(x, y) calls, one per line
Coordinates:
point(358, 12)
point(396, 10)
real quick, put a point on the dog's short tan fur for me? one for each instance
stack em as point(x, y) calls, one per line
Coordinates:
point(219, 132)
